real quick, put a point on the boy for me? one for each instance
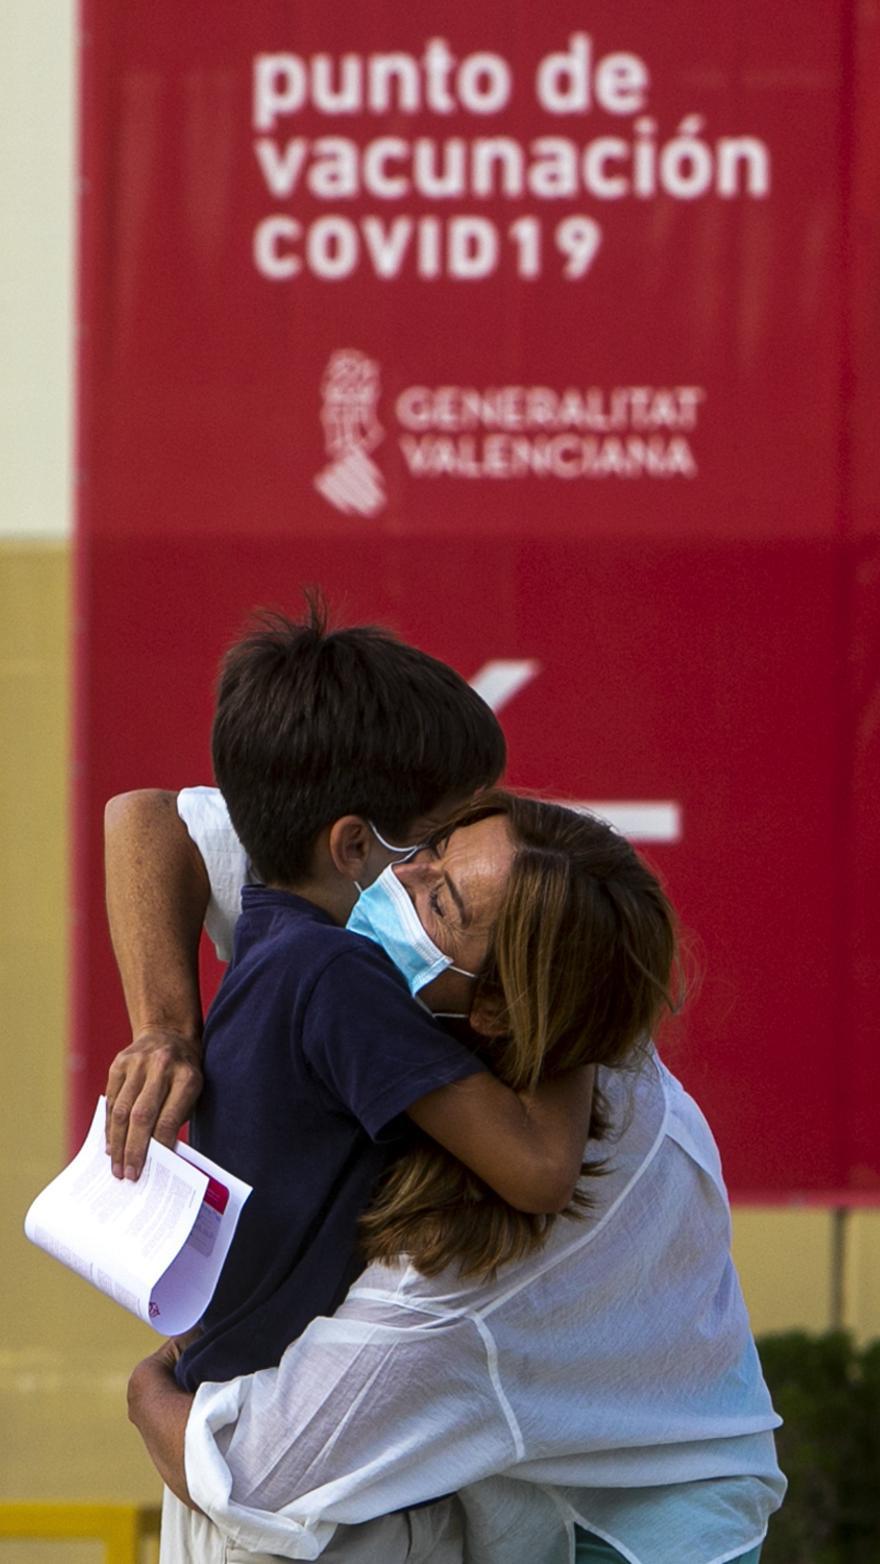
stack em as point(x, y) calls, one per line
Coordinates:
point(328, 748)
point(422, 723)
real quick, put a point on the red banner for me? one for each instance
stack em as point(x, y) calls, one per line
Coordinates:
point(548, 340)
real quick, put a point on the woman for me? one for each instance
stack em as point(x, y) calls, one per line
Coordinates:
point(588, 1381)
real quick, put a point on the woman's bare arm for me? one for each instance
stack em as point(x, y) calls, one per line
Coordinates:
point(157, 895)
point(159, 1410)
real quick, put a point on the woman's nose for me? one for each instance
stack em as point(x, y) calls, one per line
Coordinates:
point(418, 871)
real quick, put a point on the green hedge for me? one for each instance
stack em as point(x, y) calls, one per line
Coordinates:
point(827, 1390)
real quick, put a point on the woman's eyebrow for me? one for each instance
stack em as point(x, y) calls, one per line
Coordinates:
point(464, 916)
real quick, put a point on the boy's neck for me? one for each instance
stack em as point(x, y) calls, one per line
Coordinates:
point(335, 897)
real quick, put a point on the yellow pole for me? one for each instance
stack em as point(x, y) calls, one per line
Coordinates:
point(120, 1527)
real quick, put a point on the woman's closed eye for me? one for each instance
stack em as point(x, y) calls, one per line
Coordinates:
point(434, 902)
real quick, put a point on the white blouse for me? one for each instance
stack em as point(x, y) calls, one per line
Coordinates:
point(204, 813)
point(612, 1379)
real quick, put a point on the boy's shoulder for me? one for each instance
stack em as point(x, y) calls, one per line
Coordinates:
point(341, 1004)
point(283, 927)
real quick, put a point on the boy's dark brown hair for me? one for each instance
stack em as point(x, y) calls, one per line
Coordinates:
point(313, 723)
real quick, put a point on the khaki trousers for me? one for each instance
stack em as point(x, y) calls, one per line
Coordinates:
point(432, 1535)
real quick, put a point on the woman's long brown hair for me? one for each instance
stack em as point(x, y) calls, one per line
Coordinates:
point(578, 971)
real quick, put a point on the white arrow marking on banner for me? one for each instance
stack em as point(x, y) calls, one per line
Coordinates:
point(641, 822)
point(503, 678)
point(498, 681)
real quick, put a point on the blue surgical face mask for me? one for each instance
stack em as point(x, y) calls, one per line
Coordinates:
point(384, 912)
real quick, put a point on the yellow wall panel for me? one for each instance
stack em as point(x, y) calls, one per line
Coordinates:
point(784, 1256)
point(861, 1278)
point(66, 1350)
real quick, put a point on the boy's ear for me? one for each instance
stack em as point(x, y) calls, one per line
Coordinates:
point(349, 842)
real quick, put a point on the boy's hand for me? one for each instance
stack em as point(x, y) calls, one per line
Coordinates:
point(152, 1087)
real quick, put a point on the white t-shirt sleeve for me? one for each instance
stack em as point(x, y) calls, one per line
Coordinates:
point(204, 813)
point(374, 1410)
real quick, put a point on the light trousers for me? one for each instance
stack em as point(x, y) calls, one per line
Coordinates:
point(592, 1550)
point(432, 1535)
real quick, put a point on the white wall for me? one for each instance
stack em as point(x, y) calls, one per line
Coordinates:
point(36, 266)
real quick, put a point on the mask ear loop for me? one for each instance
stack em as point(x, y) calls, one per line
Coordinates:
point(455, 1015)
point(406, 852)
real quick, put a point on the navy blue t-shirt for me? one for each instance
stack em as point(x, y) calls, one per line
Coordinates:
point(313, 1048)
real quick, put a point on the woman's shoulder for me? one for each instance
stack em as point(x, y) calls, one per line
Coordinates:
point(647, 1105)
point(636, 1102)
point(688, 1127)
point(643, 1193)
point(636, 1099)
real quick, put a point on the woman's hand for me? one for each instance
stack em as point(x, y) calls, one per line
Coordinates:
point(152, 1088)
point(159, 1410)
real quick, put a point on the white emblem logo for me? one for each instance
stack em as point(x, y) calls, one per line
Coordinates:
point(350, 392)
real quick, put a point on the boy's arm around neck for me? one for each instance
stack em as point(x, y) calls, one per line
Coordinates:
point(528, 1147)
point(382, 1055)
